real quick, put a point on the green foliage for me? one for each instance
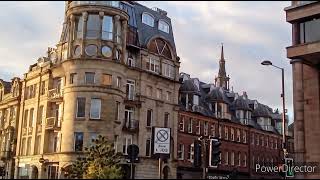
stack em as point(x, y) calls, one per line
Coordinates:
point(101, 162)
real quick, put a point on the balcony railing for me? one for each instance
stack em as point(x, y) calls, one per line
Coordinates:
point(130, 94)
point(131, 125)
point(132, 36)
point(55, 94)
point(53, 123)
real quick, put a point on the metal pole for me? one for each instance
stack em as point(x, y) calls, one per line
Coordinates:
point(283, 114)
point(132, 170)
point(160, 167)
point(204, 164)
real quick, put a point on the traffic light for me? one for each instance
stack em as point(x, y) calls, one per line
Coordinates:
point(197, 161)
point(289, 165)
point(214, 155)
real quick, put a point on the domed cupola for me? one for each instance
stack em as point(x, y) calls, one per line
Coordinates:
point(262, 111)
point(241, 104)
point(93, 30)
point(217, 95)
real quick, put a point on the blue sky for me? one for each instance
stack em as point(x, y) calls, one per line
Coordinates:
point(251, 31)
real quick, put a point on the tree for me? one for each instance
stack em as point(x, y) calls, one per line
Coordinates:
point(100, 162)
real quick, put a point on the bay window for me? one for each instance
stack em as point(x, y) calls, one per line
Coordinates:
point(93, 26)
point(78, 27)
point(107, 28)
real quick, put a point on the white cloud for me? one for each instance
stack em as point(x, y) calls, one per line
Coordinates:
point(251, 31)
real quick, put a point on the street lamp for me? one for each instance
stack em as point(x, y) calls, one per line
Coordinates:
point(269, 63)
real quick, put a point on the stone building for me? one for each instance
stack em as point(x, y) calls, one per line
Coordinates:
point(10, 93)
point(115, 73)
point(305, 59)
point(247, 129)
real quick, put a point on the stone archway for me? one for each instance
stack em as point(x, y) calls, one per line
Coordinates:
point(34, 172)
point(166, 172)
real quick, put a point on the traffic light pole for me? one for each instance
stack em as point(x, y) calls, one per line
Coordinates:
point(204, 157)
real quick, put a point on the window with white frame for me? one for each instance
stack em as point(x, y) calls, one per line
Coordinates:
point(190, 125)
point(118, 82)
point(199, 127)
point(205, 128)
point(244, 136)
point(117, 110)
point(168, 70)
point(232, 134)
point(196, 100)
point(168, 96)
point(181, 124)
point(159, 93)
point(226, 133)
point(147, 19)
point(153, 65)
point(149, 117)
point(163, 26)
point(226, 158)
point(191, 153)
point(238, 135)
point(95, 109)
point(107, 28)
point(239, 159)
point(126, 142)
point(232, 158)
point(213, 130)
point(130, 88)
point(181, 151)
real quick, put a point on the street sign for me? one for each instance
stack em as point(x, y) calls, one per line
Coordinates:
point(161, 141)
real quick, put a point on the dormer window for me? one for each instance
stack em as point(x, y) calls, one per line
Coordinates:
point(196, 100)
point(163, 26)
point(148, 19)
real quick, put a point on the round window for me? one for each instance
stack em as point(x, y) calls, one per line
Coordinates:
point(91, 50)
point(106, 51)
point(77, 51)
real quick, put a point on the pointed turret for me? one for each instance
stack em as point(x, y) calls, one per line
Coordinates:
point(222, 80)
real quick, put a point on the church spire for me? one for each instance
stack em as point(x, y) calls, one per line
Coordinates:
point(222, 80)
point(222, 54)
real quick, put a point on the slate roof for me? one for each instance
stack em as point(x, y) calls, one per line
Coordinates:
point(7, 86)
point(146, 32)
point(209, 93)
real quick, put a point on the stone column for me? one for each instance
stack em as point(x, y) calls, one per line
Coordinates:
point(84, 31)
point(298, 102)
point(124, 39)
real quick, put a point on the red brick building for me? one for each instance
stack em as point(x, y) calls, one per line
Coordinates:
point(246, 128)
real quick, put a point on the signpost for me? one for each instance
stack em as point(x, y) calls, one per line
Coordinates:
point(133, 151)
point(161, 139)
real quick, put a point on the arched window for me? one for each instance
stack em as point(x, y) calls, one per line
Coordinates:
point(163, 26)
point(148, 19)
point(161, 47)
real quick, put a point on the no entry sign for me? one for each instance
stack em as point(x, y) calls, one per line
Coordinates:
point(161, 141)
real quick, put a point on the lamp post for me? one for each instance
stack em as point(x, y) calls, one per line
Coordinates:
point(267, 63)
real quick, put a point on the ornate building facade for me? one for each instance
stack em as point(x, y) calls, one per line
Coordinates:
point(10, 93)
point(114, 72)
point(250, 132)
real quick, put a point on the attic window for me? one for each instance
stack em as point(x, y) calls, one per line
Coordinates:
point(196, 100)
point(163, 26)
point(147, 19)
point(161, 47)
